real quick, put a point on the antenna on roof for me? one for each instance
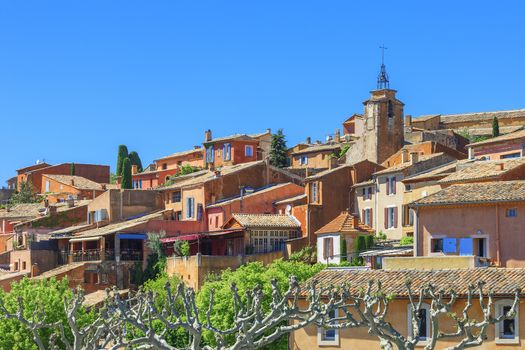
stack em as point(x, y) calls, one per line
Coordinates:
point(382, 79)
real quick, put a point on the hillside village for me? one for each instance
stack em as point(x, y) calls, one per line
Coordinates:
point(386, 192)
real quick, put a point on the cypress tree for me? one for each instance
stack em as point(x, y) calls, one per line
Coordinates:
point(135, 160)
point(126, 174)
point(122, 154)
point(278, 150)
point(72, 169)
point(495, 127)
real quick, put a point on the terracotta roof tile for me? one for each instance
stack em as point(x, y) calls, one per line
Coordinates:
point(481, 116)
point(480, 192)
point(266, 220)
point(512, 136)
point(345, 223)
point(77, 182)
point(404, 166)
point(183, 153)
point(503, 281)
point(469, 170)
point(318, 148)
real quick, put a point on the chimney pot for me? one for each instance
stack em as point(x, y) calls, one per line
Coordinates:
point(268, 131)
point(404, 156)
point(414, 157)
point(134, 169)
point(207, 135)
point(308, 140)
point(337, 136)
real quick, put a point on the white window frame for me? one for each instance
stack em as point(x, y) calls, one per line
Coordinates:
point(303, 160)
point(246, 148)
point(425, 341)
point(192, 206)
point(48, 185)
point(367, 216)
point(320, 334)
point(499, 309)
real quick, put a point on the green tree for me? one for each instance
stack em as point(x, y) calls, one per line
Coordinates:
point(278, 150)
point(25, 194)
point(126, 174)
point(406, 240)
point(72, 169)
point(122, 154)
point(47, 295)
point(344, 253)
point(495, 127)
point(135, 160)
point(246, 277)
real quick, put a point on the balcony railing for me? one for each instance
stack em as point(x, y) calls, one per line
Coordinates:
point(94, 255)
point(131, 255)
point(85, 255)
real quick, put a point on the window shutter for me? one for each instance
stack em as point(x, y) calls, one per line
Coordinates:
point(386, 218)
point(395, 217)
point(199, 212)
point(371, 216)
point(325, 242)
point(387, 185)
point(331, 247)
point(363, 215)
point(394, 185)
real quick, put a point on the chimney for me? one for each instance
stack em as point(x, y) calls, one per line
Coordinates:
point(404, 156)
point(72, 182)
point(414, 157)
point(355, 220)
point(207, 135)
point(134, 169)
point(308, 140)
point(500, 166)
point(268, 131)
point(196, 147)
point(408, 121)
point(337, 136)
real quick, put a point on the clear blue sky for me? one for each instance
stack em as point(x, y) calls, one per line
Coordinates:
point(78, 78)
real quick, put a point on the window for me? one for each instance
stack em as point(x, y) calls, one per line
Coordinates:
point(328, 248)
point(511, 212)
point(327, 336)
point(391, 185)
point(423, 321)
point(177, 216)
point(391, 217)
point(47, 186)
point(448, 246)
point(248, 151)
point(408, 216)
point(512, 155)
point(226, 151)
point(210, 154)
point(507, 331)
point(190, 208)
point(390, 107)
point(314, 192)
point(303, 160)
point(175, 197)
point(367, 216)
point(367, 193)
point(164, 166)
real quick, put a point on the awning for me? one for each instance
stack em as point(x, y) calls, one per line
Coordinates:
point(192, 237)
point(85, 239)
point(141, 236)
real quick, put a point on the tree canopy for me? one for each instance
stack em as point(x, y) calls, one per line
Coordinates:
point(126, 174)
point(25, 194)
point(278, 150)
point(122, 154)
point(495, 127)
point(135, 160)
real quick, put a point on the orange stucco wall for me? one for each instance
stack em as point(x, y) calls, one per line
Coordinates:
point(315, 160)
point(476, 221)
point(237, 152)
point(499, 149)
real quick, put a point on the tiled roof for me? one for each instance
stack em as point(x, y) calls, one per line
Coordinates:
point(469, 170)
point(260, 134)
point(183, 153)
point(243, 137)
point(119, 226)
point(478, 192)
point(318, 148)
point(328, 171)
point(503, 281)
point(402, 166)
point(257, 192)
point(266, 220)
point(34, 210)
point(488, 131)
point(344, 223)
point(481, 116)
point(424, 118)
point(291, 199)
point(512, 136)
point(77, 182)
point(432, 174)
point(365, 183)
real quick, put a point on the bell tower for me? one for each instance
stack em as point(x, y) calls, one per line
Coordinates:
point(383, 133)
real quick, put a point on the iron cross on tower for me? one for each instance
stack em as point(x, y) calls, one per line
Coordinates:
point(382, 78)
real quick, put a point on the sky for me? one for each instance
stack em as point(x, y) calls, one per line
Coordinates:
point(78, 78)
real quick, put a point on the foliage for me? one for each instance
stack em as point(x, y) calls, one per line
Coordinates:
point(381, 236)
point(278, 150)
point(72, 169)
point(126, 174)
point(122, 154)
point(307, 255)
point(156, 261)
point(407, 240)
point(135, 160)
point(47, 295)
point(361, 243)
point(25, 194)
point(344, 252)
point(495, 127)
point(466, 134)
point(341, 152)
point(248, 277)
point(181, 247)
point(183, 170)
point(113, 178)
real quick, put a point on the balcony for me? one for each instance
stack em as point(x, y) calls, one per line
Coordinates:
point(85, 255)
